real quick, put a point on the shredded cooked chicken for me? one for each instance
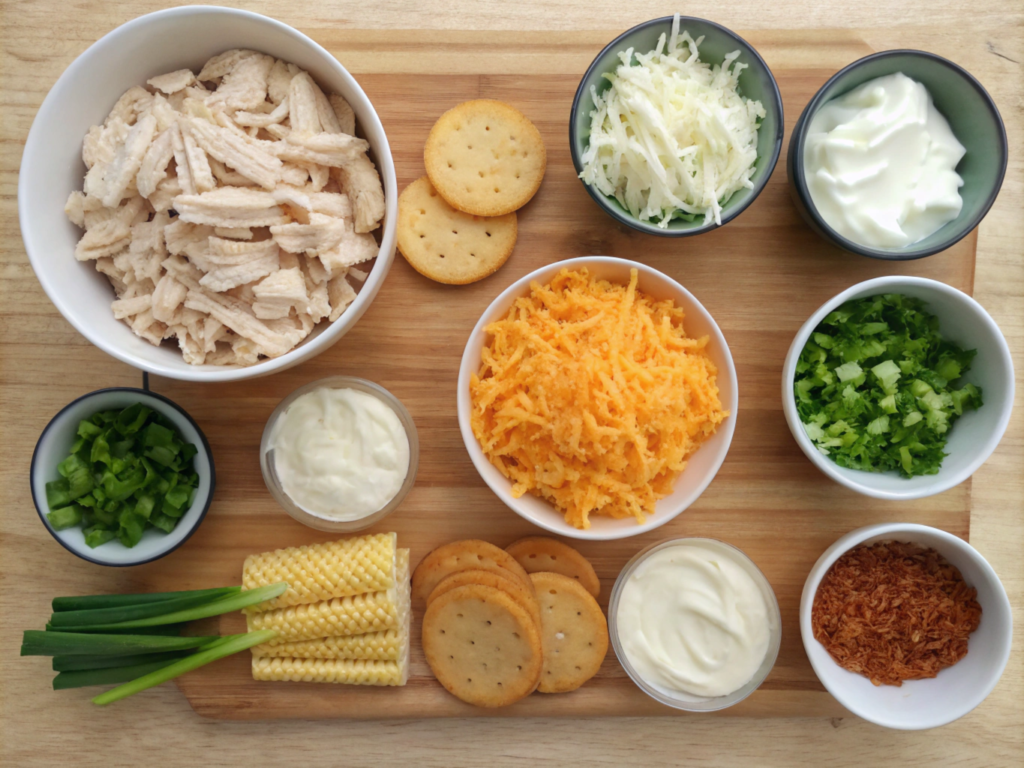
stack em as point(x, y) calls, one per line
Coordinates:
point(211, 206)
point(894, 611)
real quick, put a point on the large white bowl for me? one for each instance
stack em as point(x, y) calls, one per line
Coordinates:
point(702, 466)
point(919, 704)
point(973, 436)
point(52, 167)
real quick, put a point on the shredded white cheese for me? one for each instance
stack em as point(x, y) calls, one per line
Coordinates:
point(672, 135)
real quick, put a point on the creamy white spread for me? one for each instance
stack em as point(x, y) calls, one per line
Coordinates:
point(880, 164)
point(340, 454)
point(692, 619)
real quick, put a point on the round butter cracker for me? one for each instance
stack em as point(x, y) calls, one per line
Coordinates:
point(482, 646)
point(468, 554)
point(447, 245)
point(543, 554)
point(508, 584)
point(485, 157)
point(574, 629)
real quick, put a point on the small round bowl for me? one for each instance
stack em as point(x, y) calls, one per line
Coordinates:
point(972, 115)
point(974, 435)
point(701, 468)
point(677, 699)
point(52, 167)
point(756, 83)
point(320, 523)
point(918, 704)
point(55, 443)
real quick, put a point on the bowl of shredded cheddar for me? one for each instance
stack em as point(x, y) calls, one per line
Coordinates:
point(597, 398)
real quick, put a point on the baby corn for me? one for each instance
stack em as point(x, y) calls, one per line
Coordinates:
point(352, 672)
point(320, 572)
point(342, 616)
point(373, 646)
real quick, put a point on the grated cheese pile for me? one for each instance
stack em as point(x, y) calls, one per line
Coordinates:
point(672, 137)
point(591, 395)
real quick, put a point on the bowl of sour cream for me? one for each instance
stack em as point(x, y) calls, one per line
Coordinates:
point(339, 454)
point(694, 623)
point(899, 156)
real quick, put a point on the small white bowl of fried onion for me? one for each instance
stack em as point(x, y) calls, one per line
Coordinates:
point(52, 167)
point(701, 465)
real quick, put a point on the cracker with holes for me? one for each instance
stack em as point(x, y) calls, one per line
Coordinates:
point(447, 245)
point(482, 646)
point(542, 554)
point(485, 157)
point(575, 632)
point(506, 583)
point(469, 554)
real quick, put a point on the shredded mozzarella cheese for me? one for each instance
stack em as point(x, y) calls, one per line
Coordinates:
point(672, 136)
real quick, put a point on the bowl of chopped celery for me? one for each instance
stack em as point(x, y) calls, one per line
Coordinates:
point(899, 387)
point(122, 476)
point(676, 126)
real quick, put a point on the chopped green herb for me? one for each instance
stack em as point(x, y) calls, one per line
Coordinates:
point(877, 387)
point(128, 470)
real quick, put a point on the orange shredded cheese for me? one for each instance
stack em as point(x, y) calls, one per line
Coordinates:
point(591, 395)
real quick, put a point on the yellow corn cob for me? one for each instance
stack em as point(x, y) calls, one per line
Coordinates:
point(389, 645)
point(373, 646)
point(342, 616)
point(352, 672)
point(320, 572)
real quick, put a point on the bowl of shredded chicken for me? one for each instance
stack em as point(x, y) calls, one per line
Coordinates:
point(597, 398)
point(676, 126)
point(227, 193)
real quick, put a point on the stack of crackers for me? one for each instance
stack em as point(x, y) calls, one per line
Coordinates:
point(485, 160)
point(500, 624)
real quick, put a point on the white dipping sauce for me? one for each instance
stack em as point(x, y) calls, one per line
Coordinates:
point(880, 164)
point(340, 454)
point(692, 620)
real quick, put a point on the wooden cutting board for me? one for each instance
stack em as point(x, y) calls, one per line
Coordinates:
point(760, 277)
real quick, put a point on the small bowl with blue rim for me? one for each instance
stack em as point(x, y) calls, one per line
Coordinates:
point(756, 82)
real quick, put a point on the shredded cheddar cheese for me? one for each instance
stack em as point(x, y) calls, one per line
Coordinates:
point(591, 395)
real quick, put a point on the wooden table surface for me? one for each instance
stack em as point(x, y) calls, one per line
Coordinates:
point(37, 727)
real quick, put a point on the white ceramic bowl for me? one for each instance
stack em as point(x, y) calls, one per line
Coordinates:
point(973, 436)
point(919, 704)
point(51, 168)
point(702, 466)
point(55, 444)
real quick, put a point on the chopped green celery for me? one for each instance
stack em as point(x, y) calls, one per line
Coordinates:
point(65, 517)
point(912, 418)
point(888, 374)
point(161, 455)
point(919, 388)
point(157, 436)
point(144, 505)
point(165, 523)
point(120, 489)
point(87, 429)
point(177, 497)
point(888, 404)
point(100, 451)
point(130, 420)
point(78, 475)
point(878, 426)
point(58, 493)
point(848, 371)
point(130, 531)
point(96, 538)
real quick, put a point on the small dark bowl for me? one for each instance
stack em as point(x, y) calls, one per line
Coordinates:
point(756, 83)
point(972, 115)
point(55, 443)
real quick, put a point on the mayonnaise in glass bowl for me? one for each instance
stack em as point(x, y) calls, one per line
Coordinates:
point(676, 698)
point(292, 506)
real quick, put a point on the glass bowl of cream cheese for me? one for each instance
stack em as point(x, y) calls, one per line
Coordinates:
point(339, 454)
point(694, 623)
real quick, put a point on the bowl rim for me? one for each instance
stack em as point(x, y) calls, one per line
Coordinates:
point(854, 538)
point(332, 331)
point(830, 468)
point(718, 702)
point(480, 461)
point(205, 447)
point(653, 229)
point(308, 519)
point(909, 253)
